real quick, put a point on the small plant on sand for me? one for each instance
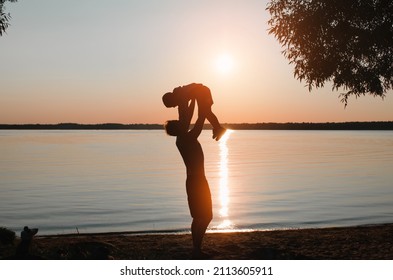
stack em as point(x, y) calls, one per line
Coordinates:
point(6, 236)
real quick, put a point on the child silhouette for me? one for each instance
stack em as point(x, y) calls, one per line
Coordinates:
point(181, 96)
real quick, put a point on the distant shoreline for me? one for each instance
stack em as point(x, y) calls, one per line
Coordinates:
point(375, 125)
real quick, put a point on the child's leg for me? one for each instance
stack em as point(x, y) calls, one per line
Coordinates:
point(211, 117)
point(218, 130)
point(205, 102)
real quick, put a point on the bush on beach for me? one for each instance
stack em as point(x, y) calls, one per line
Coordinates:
point(7, 236)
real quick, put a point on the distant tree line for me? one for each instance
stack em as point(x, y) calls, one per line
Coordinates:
point(76, 126)
point(388, 125)
point(315, 126)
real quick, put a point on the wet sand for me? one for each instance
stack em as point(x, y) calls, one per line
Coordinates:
point(374, 242)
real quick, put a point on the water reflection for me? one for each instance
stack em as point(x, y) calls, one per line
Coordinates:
point(224, 190)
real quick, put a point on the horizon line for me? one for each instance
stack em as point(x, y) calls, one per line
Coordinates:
point(228, 123)
point(357, 125)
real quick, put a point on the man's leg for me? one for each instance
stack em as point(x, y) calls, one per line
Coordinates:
point(198, 230)
point(200, 203)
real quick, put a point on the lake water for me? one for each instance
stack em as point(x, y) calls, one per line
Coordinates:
point(134, 180)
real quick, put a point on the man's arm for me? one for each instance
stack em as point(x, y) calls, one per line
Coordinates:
point(183, 111)
point(182, 107)
point(197, 129)
point(186, 117)
point(186, 92)
point(190, 111)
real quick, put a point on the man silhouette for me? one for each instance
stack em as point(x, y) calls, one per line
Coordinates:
point(198, 192)
point(26, 235)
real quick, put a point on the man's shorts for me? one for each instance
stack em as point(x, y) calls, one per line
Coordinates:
point(199, 197)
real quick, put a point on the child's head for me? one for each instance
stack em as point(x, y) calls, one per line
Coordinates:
point(173, 128)
point(169, 99)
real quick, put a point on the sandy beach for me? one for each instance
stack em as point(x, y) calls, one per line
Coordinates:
point(373, 242)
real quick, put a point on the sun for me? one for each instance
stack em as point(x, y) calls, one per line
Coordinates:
point(224, 63)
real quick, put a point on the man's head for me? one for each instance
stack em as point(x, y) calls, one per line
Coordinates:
point(169, 99)
point(173, 128)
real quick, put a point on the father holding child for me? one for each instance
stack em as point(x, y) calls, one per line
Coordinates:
point(197, 187)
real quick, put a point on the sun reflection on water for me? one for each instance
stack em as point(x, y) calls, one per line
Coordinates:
point(224, 190)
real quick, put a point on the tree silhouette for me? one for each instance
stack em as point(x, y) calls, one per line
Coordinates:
point(4, 18)
point(349, 43)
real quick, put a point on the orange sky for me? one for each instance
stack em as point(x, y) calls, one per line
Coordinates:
point(112, 63)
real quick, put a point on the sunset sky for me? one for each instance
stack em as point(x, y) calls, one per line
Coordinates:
point(96, 61)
